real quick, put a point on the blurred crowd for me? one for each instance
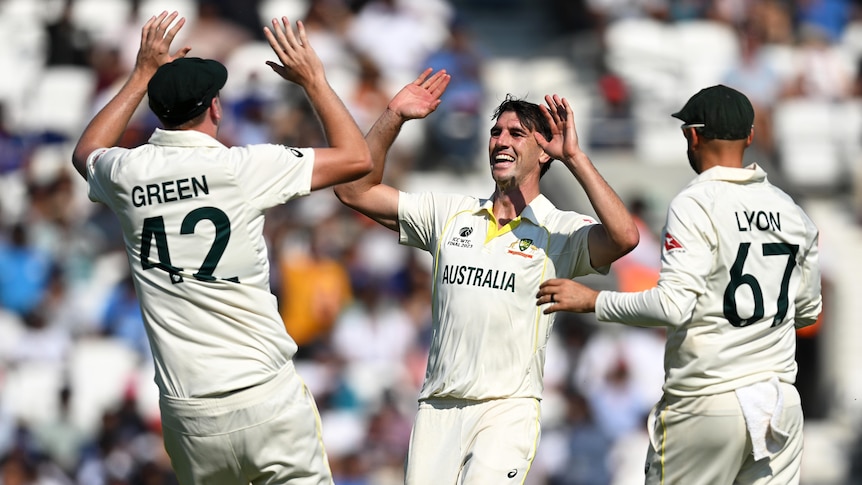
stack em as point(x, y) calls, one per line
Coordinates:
point(77, 401)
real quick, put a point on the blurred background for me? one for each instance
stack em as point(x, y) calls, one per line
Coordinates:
point(77, 401)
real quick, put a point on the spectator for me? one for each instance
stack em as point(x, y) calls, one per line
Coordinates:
point(25, 271)
point(452, 136)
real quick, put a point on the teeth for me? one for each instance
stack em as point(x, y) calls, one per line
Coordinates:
point(504, 158)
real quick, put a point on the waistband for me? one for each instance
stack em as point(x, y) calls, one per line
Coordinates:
point(188, 414)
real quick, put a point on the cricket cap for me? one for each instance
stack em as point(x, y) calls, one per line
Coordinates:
point(719, 112)
point(183, 89)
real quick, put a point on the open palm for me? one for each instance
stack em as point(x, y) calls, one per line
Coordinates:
point(421, 97)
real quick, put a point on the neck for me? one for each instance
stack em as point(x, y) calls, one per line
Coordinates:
point(508, 204)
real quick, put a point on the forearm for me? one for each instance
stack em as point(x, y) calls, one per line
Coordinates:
point(379, 138)
point(609, 208)
point(106, 128)
point(339, 127)
point(369, 195)
point(651, 308)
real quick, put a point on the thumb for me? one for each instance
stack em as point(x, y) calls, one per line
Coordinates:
point(182, 52)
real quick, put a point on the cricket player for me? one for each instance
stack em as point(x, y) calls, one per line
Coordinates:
point(479, 413)
point(234, 411)
point(739, 274)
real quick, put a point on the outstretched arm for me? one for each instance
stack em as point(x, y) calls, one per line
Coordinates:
point(347, 157)
point(617, 234)
point(110, 122)
point(369, 195)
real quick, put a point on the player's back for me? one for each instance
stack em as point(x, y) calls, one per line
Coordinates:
point(764, 253)
point(192, 216)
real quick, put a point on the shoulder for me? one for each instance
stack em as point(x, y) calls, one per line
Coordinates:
point(442, 200)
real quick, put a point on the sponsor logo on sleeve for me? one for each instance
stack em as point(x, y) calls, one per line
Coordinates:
point(670, 243)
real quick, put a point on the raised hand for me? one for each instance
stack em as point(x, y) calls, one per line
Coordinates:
point(421, 97)
point(299, 62)
point(156, 37)
point(563, 144)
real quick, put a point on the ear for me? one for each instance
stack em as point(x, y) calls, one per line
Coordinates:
point(215, 109)
point(544, 158)
point(750, 138)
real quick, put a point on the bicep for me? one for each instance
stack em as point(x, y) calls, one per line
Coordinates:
point(334, 166)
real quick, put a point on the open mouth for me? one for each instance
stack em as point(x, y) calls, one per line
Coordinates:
point(502, 158)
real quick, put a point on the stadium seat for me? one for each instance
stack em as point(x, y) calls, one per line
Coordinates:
point(23, 52)
point(186, 8)
point(101, 371)
point(808, 151)
point(59, 101)
point(88, 15)
point(718, 39)
point(642, 52)
point(248, 62)
point(31, 391)
point(31, 10)
point(292, 9)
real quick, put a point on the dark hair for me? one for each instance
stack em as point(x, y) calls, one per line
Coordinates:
point(530, 115)
point(173, 125)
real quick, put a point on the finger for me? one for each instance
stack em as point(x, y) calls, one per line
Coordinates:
point(270, 37)
point(165, 20)
point(279, 36)
point(561, 108)
point(288, 32)
point(552, 110)
point(549, 286)
point(549, 116)
point(303, 37)
point(439, 83)
point(182, 52)
point(421, 79)
point(176, 28)
point(146, 30)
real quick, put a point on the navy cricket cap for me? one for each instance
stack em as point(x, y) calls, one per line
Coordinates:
point(726, 114)
point(183, 89)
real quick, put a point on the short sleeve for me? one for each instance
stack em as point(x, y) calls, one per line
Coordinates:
point(271, 175)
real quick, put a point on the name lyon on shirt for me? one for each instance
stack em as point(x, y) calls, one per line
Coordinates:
point(169, 191)
point(473, 276)
point(760, 220)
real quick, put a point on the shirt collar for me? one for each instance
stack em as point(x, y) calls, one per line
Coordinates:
point(536, 212)
point(183, 138)
point(749, 174)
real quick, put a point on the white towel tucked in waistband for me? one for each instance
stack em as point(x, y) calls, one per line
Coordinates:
point(762, 404)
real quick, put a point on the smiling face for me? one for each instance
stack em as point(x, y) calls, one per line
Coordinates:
point(513, 151)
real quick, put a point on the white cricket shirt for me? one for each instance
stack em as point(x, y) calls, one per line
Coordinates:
point(739, 274)
point(192, 214)
point(489, 336)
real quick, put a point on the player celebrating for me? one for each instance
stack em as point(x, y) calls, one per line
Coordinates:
point(739, 273)
point(233, 408)
point(479, 414)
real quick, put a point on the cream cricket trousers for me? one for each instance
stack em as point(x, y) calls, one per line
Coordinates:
point(265, 435)
point(460, 442)
point(704, 441)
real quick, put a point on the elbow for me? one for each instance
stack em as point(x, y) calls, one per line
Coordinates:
point(79, 161)
point(631, 239)
point(347, 194)
point(627, 241)
point(342, 193)
point(366, 164)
